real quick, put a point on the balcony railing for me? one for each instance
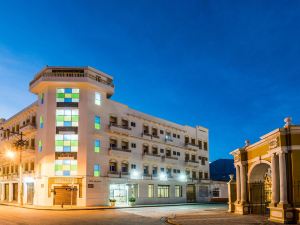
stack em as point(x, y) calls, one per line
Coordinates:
point(73, 74)
point(126, 127)
point(119, 149)
point(191, 146)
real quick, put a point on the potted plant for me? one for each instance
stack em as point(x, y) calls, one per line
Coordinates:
point(132, 201)
point(112, 202)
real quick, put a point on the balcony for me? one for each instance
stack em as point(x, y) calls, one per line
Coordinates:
point(191, 146)
point(192, 163)
point(151, 157)
point(28, 128)
point(119, 152)
point(115, 128)
point(170, 159)
point(147, 136)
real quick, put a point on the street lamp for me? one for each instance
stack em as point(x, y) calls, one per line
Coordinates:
point(10, 154)
point(19, 144)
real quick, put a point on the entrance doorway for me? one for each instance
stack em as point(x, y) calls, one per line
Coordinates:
point(260, 189)
point(65, 195)
point(122, 192)
point(30, 193)
point(191, 193)
point(6, 192)
point(15, 192)
point(119, 192)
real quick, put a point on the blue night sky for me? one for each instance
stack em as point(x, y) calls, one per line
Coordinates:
point(231, 66)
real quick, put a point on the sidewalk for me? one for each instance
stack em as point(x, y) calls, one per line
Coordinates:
point(67, 208)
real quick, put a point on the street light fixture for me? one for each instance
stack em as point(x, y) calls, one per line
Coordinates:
point(19, 144)
point(10, 154)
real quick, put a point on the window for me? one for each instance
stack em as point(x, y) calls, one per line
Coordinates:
point(178, 191)
point(65, 167)
point(96, 170)
point(178, 153)
point(200, 175)
point(216, 192)
point(112, 167)
point(203, 161)
point(132, 124)
point(67, 117)
point(162, 170)
point(200, 144)
point(161, 132)
point(42, 98)
point(133, 166)
point(97, 121)
point(205, 146)
point(163, 191)
point(174, 153)
point(124, 167)
point(150, 191)
point(154, 170)
point(146, 170)
point(41, 122)
point(66, 143)
point(174, 135)
point(178, 136)
point(97, 98)
point(67, 95)
point(40, 146)
point(97, 146)
point(133, 145)
point(162, 150)
point(206, 175)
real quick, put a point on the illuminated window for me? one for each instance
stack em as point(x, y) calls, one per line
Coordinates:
point(67, 117)
point(41, 122)
point(65, 167)
point(66, 143)
point(67, 95)
point(40, 146)
point(97, 146)
point(163, 191)
point(178, 191)
point(97, 98)
point(42, 98)
point(97, 122)
point(150, 191)
point(96, 170)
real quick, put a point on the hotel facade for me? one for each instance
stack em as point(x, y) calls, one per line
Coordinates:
point(82, 148)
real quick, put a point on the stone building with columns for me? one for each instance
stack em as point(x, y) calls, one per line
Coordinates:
point(268, 176)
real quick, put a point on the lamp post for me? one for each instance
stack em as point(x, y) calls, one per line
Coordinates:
point(19, 144)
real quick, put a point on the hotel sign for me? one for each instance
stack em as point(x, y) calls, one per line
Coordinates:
point(65, 155)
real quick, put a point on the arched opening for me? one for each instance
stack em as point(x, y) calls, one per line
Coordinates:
point(260, 186)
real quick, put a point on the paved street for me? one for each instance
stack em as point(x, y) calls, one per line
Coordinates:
point(185, 215)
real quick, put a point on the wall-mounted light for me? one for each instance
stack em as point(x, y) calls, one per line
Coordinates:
point(182, 178)
point(10, 154)
point(134, 174)
point(163, 176)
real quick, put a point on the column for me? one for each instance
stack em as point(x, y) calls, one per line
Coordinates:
point(274, 169)
point(243, 184)
point(283, 180)
point(238, 184)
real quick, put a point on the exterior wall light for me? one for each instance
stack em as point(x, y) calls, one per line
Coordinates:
point(182, 178)
point(163, 176)
point(134, 174)
point(28, 179)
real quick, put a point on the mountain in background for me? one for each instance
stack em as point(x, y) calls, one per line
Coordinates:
point(221, 168)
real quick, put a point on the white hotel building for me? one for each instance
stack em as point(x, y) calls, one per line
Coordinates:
point(82, 148)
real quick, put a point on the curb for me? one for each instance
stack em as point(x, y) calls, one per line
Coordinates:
point(104, 208)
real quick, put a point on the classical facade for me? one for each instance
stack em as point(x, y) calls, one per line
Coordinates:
point(82, 148)
point(268, 176)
